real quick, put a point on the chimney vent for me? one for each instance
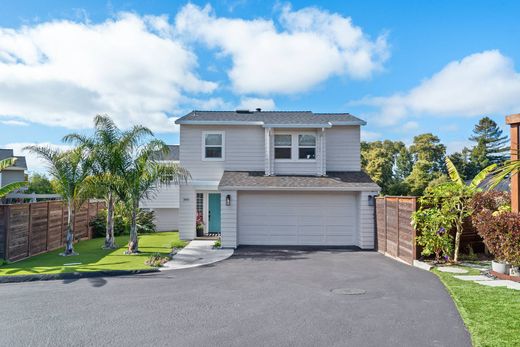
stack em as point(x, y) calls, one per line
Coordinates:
point(258, 109)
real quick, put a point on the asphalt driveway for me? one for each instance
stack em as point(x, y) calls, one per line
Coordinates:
point(255, 298)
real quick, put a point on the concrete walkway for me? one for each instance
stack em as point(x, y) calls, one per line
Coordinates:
point(197, 253)
point(491, 282)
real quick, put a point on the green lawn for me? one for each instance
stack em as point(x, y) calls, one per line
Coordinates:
point(93, 258)
point(492, 315)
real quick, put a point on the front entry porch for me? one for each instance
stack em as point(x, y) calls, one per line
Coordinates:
point(208, 215)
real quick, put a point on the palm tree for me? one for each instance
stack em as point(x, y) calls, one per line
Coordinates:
point(462, 198)
point(70, 170)
point(8, 188)
point(143, 175)
point(108, 148)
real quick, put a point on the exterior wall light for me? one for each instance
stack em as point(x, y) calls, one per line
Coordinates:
point(371, 200)
point(228, 200)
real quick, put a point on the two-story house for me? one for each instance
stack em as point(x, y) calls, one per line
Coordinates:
point(165, 201)
point(276, 178)
point(15, 173)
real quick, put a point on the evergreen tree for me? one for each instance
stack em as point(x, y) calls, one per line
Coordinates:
point(491, 146)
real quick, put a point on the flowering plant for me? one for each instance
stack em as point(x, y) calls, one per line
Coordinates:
point(434, 237)
point(199, 222)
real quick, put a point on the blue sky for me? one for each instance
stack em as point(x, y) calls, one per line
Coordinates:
point(407, 67)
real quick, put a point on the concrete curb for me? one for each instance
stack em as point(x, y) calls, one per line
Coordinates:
point(72, 275)
point(422, 265)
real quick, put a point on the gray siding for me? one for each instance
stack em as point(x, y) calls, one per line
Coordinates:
point(166, 219)
point(366, 221)
point(243, 150)
point(343, 148)
point(167, 196)
point(187, 212)
point(229, 220)
point(10, 176)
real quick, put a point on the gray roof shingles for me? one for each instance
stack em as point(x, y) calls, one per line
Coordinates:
point(345, 180)
point(270, 117)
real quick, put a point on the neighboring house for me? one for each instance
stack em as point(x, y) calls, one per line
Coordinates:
point(165, 202)
point(276, 178)
point(15, 173)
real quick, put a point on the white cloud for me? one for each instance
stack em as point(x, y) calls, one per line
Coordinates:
point(254, 103)
point(479, 84)
point(409, 126)
point(310, 46)
point(63, 72)
point(370, 135)
point(14, 122)
point(34, 163)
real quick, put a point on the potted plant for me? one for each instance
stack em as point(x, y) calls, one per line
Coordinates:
point(199, 225)
point(499, 228)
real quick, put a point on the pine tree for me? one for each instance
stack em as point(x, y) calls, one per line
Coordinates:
point(490, 144)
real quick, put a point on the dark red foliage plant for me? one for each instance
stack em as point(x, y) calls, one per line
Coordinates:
point(497, 225)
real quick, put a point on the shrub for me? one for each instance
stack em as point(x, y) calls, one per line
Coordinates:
point(217, 244)
point(497, 225)
point(122, 220)
point(434, 236)
point(157, 260)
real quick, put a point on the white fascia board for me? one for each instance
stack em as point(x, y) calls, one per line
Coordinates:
point(204, 185)
point(352, 122)
point(371, 188)
point(222, 122)
point(296, 126)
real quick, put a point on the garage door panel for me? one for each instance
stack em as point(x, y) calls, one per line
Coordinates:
point(276, 218)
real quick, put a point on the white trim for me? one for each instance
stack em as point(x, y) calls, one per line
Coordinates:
point(222, 146)
point(297, 126)
point(290, 147)
point(370, 188)
point(222, 122)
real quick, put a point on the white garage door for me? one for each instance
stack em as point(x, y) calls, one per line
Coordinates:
point(279, 218)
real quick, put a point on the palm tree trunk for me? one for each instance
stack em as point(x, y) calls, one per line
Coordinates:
point(109, 238)
point(69, 245)
point(133, 246)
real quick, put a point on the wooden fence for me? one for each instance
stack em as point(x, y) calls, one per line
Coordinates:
point(395, 235)
point(34, 228)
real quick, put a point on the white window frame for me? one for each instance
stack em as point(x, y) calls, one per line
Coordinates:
point(298, 147)
point(223, 145)
point(291, 147)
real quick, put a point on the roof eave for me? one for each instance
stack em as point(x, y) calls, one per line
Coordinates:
point(353, 122)
point(371, 188)
point(213, 122)
point(297, 126)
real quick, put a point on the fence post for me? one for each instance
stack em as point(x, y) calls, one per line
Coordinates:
point(7, 231)
point(414, 232)
point(48, 225)
point(29, 231)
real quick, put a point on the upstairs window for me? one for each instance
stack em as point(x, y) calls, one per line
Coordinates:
point(213, 145)
point(306, 146)
point(282, 146)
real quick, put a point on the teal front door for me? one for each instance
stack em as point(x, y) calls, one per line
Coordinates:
point(214, 213)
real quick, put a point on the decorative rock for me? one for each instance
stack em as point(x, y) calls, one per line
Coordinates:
point(473, 278)
point(453, 270)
